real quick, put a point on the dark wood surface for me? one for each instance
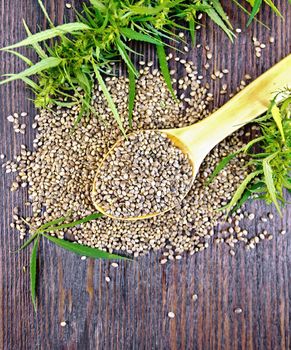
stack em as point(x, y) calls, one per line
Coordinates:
point(131, 311)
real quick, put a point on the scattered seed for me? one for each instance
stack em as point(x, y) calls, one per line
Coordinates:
point(171, 314)
point(107, 279)
point(251, 216)
point(194, 297)
point(114, 265)
point(256, 239)
point(68, 5)
point(10, 118)
point(238, 310)
point(282, 232)
point(63, 324)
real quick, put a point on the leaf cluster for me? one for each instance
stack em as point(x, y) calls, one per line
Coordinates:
point(270, 159)
point(59, 225)
point(73, 55)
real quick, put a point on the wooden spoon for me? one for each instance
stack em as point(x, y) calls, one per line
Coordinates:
point(197, 140)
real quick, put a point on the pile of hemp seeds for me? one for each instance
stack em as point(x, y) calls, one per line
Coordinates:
point(59, 172)
point(144, 174)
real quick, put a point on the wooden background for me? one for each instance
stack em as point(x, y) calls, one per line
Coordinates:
point(131, 311)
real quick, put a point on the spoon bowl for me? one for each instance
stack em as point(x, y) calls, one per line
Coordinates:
point(197, 140)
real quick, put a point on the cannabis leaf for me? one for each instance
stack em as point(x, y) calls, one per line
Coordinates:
point(59, 225)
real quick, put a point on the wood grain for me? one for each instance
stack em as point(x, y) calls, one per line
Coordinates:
point(130, 312)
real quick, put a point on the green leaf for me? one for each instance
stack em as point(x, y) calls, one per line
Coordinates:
point(50, 33)
point(27, 243)
point(33, 269)
point(192, 31)
point(83, 81)
point(46, 63)
point(31, 83)
point(108, 98)
point(164, 68)
point(252, 143)
point(45, 12)
point(219, 9)
point(144, 10)
point(27, 81)
point(38, 49)
point(255, 10)
point(19, 55)
point(131, 96)
point(274, 8)
point(83, 250)
point(258, 187)
point(216, 19)
point(286, 103)
point(98, 5)
point(246, 195)
point(125, 57)
point(222, 164)
point(247, 12)
point(87, 218)
point(51, 223)
point(276, 114)
point(64, 104)
point(268, 173)
point(132, 34)
point(238, 193)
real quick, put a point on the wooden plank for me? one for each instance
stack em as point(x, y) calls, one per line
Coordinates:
point(130, 312)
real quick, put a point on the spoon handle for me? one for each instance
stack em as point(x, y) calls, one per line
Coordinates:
point(251, 102)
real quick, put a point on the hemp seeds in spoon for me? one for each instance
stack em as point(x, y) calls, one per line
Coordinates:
point(143, 175)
